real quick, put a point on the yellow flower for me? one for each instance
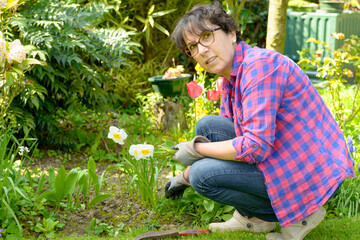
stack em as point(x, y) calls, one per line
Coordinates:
point(199, 68)
point(181, 140)
point(140, 151)
point(118, 135)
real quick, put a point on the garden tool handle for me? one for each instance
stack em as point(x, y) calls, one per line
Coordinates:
point(194, 232)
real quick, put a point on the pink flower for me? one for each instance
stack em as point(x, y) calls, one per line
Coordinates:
point(219, 82)
point(213, 95)
point(194, 89)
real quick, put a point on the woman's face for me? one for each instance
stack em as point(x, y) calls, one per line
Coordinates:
point(218, 57)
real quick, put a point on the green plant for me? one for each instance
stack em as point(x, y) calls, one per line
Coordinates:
point(133, 80)
point(46, 228)
point(97, 227)
point(79, 56)
point(149, 23)
point(14, 190)
point(334, 66)
point(139, 165)
point(64, 186)
point(252, 19)
point(13, 83)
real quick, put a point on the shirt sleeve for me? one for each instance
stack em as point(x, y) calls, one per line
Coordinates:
point(261, 88)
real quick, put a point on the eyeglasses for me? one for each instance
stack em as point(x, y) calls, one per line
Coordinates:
point(206, 39)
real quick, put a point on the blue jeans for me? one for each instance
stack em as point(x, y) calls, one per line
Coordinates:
point(234, 183)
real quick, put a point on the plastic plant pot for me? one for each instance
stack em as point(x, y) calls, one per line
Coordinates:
point(170, 87)
point(331, 6)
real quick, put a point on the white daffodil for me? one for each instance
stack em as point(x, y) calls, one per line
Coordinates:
point(140, 151)
point(118, 135)
point(17, 52)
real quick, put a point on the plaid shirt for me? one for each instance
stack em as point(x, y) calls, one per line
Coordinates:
point(284, 127)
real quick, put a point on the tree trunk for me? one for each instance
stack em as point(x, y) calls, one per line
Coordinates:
point(276, 28)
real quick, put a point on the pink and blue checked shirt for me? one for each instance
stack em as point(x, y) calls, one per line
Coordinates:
point(284, 127)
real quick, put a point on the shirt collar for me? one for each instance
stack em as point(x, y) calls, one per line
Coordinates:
point(240, 50)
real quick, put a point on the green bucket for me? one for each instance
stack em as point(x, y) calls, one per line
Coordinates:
point(170, 87)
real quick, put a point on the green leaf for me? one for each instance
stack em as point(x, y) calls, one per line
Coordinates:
point(17, 69)
point(31, 61)
point(70, 182)
point(83, 183)
point(151, 9)
point(162, 29)
point(162, 13)
point(141, 19)
point(60, 183)
point(98, 199)
point(209, 205)
point(226, 217)
point(228, 208)
point(91, 164)
point(151, 21)
point(35, 100)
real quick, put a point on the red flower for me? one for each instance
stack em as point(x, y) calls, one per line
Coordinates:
point(219, 82)
point(213, 95)
point(194, 89)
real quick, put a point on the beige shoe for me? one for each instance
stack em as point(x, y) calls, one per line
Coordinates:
point(238, 222)
point(299, 230)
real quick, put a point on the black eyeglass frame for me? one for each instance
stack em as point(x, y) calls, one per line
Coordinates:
point(186, 49)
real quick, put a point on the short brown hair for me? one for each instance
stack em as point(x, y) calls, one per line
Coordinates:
point(195, 20)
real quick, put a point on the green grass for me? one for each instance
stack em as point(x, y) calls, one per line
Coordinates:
point(329, 229)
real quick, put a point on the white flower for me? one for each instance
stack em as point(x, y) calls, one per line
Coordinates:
point(3, 3)
point(118, 135)
point(17, 52)
point(140, 151)
point(22, 149)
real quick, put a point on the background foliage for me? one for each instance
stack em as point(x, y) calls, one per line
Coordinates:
point(78, 56)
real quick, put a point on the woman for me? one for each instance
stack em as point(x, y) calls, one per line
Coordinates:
point(287, 154)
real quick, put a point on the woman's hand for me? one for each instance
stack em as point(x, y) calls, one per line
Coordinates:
point(186, 153)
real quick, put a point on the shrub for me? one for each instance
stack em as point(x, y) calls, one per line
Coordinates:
point(78, 55)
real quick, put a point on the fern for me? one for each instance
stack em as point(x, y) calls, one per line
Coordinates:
point(79, 58)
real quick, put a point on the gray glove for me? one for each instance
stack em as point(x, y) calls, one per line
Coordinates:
point(176, 186)
point(186, 153)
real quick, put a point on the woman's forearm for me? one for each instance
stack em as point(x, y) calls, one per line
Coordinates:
point(221, 150)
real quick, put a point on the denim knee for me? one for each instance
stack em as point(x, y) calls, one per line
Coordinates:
point(197, 177)
point(216, 128)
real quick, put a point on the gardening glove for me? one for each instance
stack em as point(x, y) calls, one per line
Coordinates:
point(176, 186)
point(186, 153)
